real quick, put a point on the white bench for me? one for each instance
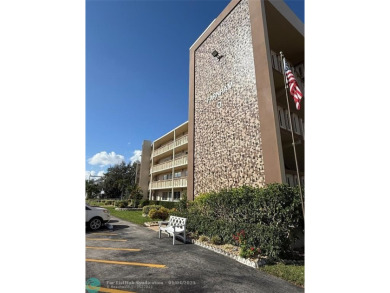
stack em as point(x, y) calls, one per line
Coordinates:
point(174, 227)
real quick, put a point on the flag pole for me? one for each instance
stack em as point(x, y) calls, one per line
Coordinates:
point(292, 134)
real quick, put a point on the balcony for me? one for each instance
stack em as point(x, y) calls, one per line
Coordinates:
point(169, 164)
point(181, 140)
point(162, 166)
point(162, 184)
point(181, 161)
point(163, 149)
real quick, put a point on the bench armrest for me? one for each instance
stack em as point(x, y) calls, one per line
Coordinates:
point(162, 223)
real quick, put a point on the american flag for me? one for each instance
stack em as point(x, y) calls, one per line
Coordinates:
point(293, 86)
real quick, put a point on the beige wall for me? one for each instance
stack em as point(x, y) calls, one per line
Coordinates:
point(227, 142)
point(145, 167)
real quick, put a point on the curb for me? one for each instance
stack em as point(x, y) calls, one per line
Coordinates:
point(251, 263)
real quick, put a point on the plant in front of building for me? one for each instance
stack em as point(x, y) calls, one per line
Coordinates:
point(182, 205)
point(159, 214)
point(203, 238)
point(122, 203)
point(143, 202)
point(216, 240)
point(268, 216)
point(146, 209)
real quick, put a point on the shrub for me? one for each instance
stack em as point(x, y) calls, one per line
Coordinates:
point(158, 214)
point(146, 209)
point(216, 240)
point(143, 202)
point(121, 204)
point(194, 235)
point(203, 238)
point(268, 216)
point(182, 205)
point(168, 204)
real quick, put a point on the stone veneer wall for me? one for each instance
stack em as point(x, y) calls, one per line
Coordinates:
point(227, 141)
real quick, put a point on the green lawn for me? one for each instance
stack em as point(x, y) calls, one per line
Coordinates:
point(292, 273)
point(131, 216)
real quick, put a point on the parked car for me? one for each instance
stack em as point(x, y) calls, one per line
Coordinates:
point(95, 217)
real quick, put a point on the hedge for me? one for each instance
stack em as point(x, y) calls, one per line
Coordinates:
point(146, 209)
point(165, 204)
point(268, 216)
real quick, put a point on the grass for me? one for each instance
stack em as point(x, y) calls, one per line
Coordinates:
point(291, 273)
point(130, 216)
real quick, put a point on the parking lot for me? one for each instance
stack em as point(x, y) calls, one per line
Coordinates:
point(131, 258)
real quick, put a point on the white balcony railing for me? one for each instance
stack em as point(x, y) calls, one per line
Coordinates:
point(162, 166)
point(163, 149)
point(179, 182)
point(181, 140)
point(168, 165)
point(181, 161)
point(167, 147)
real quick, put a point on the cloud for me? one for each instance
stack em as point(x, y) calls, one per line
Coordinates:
point(105, 159)
point(136, 156)
point(93, 173)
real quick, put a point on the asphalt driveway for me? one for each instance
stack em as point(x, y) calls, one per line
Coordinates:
point(131, 258)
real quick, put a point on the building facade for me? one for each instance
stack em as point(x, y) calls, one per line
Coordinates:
point(165, 162)
point(238, 131)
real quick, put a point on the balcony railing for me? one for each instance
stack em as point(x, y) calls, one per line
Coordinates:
point(181, 182)
point(181, 161)
point(178, 142)
point(178, 182)
point(181, 140)
point(167, 165)
point(163, 149)
point(162, 166)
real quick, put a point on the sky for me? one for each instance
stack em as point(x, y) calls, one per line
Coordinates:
point(137, 72)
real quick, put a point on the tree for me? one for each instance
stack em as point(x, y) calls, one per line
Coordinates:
point(119, 180)
point(135, 194)
point(92, 189)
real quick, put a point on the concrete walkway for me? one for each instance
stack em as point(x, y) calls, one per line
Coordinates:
point(155, 265)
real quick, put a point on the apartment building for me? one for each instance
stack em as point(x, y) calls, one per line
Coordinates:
point(238, 132)
point(239, 129)
point(165, 159)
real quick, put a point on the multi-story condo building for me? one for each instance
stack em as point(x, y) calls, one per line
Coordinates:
point(238, 124)
point(238, 127)
point(166, 161)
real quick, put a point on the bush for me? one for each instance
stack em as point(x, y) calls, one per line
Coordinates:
point(159, 214)
point(182, 205)
point(203, 238)
point(216, 240)
point(268, 216)
point(143, 202)
point(166, 204)
point(121, 204)
point(146, 209)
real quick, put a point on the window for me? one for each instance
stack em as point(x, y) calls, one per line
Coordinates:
point(281, 117)
point(164, 195)
point(287, 120)
point(177, 174)
point(296, 123)
point(295, 180)
point(176, 195)
point(167, 176)
point(302, 127)
point(290, 180)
